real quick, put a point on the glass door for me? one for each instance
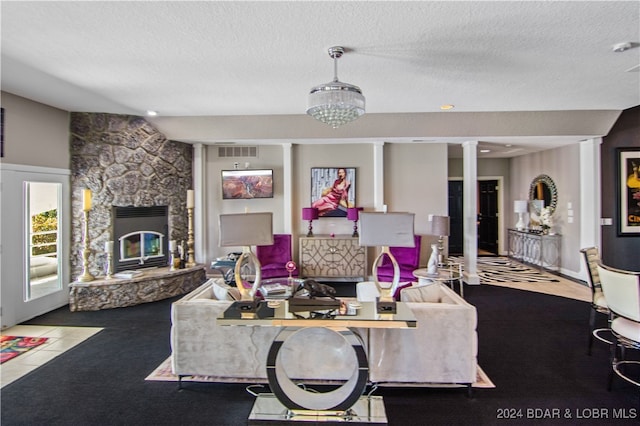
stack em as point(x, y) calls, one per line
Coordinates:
point(43, 248)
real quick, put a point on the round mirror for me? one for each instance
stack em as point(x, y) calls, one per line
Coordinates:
point(543, 193)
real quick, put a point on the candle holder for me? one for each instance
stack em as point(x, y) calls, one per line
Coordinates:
point(109, 265)
point(86, 275)
point(190, 241)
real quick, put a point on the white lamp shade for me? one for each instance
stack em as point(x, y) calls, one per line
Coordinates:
point(246, 229)
point(520, 206)
point(386, 229)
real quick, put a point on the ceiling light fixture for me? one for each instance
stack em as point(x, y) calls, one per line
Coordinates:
point(336, 103)
point(446, 107)
point(151, 113)
point(621, 47)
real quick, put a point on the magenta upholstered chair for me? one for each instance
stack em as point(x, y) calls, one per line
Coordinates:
point(408, 259)
point(273, 258)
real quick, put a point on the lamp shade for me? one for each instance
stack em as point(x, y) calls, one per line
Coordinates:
point(386, 229)
point(309, 213)
point(246, 229)
point(353, 213)
point(438, 225)
point(520, 206)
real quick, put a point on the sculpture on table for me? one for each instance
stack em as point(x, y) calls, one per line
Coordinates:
point(432, 266)
point(316, 289)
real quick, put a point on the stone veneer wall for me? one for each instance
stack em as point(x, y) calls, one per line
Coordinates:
point(124, 161)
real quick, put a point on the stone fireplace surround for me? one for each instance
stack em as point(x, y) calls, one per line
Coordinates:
point(124, 161)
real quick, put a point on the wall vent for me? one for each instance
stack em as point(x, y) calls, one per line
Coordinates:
point(238, 151)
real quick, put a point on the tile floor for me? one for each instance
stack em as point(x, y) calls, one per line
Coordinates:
point(60, 340)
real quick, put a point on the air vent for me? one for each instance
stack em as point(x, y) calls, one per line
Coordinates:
point(155, 211)
point(238, 151)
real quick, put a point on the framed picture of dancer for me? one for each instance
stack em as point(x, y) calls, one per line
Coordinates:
point(628, 191)
point(333, 190)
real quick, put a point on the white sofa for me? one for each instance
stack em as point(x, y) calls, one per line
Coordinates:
point(201, 347)
point(442, 349)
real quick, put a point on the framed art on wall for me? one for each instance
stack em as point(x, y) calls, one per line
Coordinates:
point(247, 184)
point(333, 190)
point(628, 191)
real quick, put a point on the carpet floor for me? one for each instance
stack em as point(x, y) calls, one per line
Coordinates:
point(531, 345)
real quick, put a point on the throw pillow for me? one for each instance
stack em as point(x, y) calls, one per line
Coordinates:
point(421, 293)
point(224, 291)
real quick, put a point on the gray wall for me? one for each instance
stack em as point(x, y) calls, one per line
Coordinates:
point(563, 166)
point(619, 252)
point(35, 134)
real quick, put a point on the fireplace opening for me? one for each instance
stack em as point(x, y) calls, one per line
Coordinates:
point(140, 234)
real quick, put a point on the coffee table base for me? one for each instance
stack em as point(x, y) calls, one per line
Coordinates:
point(368, 410)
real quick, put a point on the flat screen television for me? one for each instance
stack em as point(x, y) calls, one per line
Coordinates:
point(247, 184)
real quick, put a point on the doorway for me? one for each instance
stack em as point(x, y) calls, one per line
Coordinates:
point(488, 217)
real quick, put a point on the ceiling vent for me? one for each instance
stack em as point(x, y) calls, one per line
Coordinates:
point(238, 151)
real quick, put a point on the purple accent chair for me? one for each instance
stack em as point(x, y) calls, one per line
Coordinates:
point(408, 259)
point(273, 258)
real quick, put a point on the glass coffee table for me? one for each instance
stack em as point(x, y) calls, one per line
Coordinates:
point(292, 400)
point(448, 273)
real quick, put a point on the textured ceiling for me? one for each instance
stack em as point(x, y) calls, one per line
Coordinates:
point(261, 58)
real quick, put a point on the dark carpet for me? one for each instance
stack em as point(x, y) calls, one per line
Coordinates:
point(531, 345)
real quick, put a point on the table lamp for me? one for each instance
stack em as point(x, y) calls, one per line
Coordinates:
point(246, 230)
point(352, 214)
point(310, 214)
point(439, 225)
point(520, 207)
point(386, 230)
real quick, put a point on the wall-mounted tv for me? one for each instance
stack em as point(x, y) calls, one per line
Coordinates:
point(247, 184)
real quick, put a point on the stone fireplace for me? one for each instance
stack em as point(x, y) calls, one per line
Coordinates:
point(125, 162)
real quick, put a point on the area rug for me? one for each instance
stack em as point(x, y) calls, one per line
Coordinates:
point(12, 346)
point(163, 373)
point(494, 270)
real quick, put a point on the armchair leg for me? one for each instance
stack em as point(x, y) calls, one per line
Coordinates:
point(469, 390)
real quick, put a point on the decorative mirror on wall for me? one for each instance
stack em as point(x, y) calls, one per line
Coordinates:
point(543, 193)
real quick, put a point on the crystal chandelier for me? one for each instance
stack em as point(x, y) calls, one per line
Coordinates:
point(336, 103)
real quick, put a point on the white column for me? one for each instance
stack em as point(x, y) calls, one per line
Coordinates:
point(287, 171)
point(590, 198)
point(470, 212)
point(378, 175)
point(199, 212)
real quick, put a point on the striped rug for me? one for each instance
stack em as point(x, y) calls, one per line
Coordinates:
point(493, 270)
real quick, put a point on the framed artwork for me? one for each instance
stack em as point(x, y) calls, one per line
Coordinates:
point(247, 184)
point(333, 190)
point(628, 191)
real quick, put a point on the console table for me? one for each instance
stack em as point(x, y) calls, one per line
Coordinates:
point(338, 258)
point(542, 250)
point(292, 402)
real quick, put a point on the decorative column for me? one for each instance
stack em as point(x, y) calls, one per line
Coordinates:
point(470, 211)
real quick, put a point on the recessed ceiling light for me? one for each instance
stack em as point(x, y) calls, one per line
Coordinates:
point(484, 151)
point(508, 145)
point(621, 47)
point(446, 107)
point(152, 113)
